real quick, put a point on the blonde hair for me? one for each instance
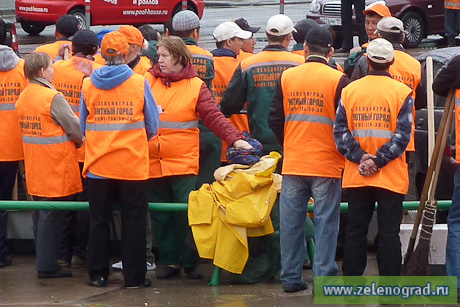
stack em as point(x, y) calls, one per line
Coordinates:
point(177, 48)
point(34, 63)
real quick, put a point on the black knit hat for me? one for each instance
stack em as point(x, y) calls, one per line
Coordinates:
point(67, 25)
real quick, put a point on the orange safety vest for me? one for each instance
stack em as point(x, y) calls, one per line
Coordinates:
point(116, 140)
point(175, 149)
point(12, 82)
point(299, 52)
point(143, 65)
point(457, 124)
point(407, 70)
point(243, 55)
point(53, 48)
point(309, 92)
point(68, 80)
point(224, 68)
point(372, 104)
point(200, 57)
point(99, 59)
point(49, 154)
point(452, 4)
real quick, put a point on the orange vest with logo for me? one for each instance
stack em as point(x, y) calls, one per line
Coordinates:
point(116, 141)
point(200, 57)
point(224, 68)
point(372, 104)
point(49, 154)
point(68, 80)
point(143, 65)
point(175, 149)
point(457, 124)
point(12, 82)
point(243, 55)
point(407, 70)
point(452, 4)
point(309, 92)
point(53, 48)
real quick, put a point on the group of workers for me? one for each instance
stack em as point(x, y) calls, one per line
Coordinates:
point(150, 129)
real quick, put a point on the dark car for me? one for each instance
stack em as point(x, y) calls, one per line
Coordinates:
point(420, 17)
point(11, 38)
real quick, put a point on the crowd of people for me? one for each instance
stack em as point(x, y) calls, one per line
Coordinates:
point(132, 117)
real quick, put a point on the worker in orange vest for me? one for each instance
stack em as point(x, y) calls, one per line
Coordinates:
point(140, 64)
point(13, 82)
point(248, 44)
point(50, 133)
point(372, 130)
point(303, 111)
point(66, 26)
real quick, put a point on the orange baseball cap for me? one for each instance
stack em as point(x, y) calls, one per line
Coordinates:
point(115, 41)
point(132, 34)
point(379, 9)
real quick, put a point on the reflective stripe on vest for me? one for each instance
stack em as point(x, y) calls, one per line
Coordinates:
point(7, 107)
point(376, 133)
point(270, 63)
point(179, 125)
point(47, 140)
point(310, 118)
point(115, 127)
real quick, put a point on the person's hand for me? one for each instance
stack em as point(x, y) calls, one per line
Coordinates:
point(355, 49)
point(367, 157)
point(368, 168)
point(242, 144)
point(62, 49)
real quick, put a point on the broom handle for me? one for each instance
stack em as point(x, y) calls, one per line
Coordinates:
point(429, 176)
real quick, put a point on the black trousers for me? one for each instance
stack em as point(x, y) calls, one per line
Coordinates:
point(8, 172)
point(361, 202)
point(347, 22)
point(132, 199)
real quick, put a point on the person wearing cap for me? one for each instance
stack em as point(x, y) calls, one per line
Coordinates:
point(98, 56)
point(229, 40)
point(139, 64)
point(174, 154)
point(50, 134)
point(149, 48)
point(255, 79)
point(372, 130)
point(118, 115)
point(451, 20)
point(11, 152)
point(66, 26)
point(248, 44)
point(67, 79)
point(347, 23)
point(303, 110)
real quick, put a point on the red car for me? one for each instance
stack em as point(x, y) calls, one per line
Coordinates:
point(35, 15)
point(420, 17)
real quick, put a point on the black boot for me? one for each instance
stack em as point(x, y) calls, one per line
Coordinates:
point(450, 41)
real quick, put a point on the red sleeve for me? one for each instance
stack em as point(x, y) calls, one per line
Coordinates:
point(214, 119)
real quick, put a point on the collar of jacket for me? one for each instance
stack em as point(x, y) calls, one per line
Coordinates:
point(189, 41)
point(298, 46)
point(43, 82)
point(187, 73)
point(274, 48)
point(224, 52)
point(316, 58)
point(379, 73)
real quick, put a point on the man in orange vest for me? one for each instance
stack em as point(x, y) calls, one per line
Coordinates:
point(50, 134)
point(140, 64)
point(13, 82)
point(372, 130)
point(451, 20)
point(248, 44)
point(68, 78)
point(66, 26)
point(303, 111)
point(119, 115)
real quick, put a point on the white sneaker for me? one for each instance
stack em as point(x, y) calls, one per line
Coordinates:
point(151, 266)
point(119, 266)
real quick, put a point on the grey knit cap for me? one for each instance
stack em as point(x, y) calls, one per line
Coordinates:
point(185, 21)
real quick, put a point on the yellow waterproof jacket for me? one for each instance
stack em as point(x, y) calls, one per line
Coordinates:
point(225, 213)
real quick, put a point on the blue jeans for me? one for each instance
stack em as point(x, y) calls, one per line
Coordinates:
point(453, 234)
point(451, 22)
point(295, 193)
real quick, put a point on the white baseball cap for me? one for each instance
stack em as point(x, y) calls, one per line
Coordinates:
point(229, 29)
point(380, 51)
point(279, 25)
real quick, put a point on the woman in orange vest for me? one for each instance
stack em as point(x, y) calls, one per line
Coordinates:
point(50, 133)
point(183, 98)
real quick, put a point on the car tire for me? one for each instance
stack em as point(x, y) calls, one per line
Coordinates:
point(32, 28)
point(414, 25)
point(80, 15)
point(178, 8)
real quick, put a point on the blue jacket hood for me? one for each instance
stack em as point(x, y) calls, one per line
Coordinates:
point(109, 77)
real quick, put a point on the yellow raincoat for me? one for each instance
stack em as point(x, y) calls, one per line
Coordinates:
point(237, 206)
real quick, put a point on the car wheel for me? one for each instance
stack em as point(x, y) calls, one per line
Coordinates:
point(80, 15)
point(178, 8)
point(32, 28)
point(413, 24)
